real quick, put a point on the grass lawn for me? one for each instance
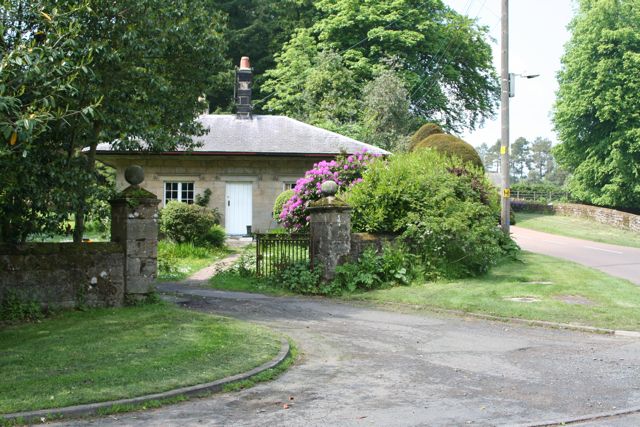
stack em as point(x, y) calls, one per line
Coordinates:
point(99, 355)
point(177, 261)
point(564, 292)
point(579, 228)
point(228, 281)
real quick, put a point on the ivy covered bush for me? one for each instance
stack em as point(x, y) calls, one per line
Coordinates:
point(184, 223)
point(346, 171)
point(444, 211)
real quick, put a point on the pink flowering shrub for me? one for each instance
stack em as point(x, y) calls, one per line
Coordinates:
point(346, 171)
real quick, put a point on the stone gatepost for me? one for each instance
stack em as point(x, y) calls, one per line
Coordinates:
point(134, 225)
point(330, 226)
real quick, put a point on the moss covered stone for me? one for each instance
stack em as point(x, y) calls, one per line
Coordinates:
point(135, 192)
point(451, 146)
point(424, 132)
point(328, 202)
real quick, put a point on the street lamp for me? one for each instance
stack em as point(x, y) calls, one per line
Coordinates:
point(512, 81)
point(508, 91)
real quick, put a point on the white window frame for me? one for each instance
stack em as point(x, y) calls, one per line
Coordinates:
point(288, 185)
point(179, 191)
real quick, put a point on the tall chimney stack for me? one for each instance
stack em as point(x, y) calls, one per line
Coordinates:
point(244, 76)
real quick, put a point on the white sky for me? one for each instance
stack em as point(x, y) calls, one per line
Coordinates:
point(537, 34)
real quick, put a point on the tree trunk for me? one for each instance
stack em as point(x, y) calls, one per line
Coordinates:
point(78, 231)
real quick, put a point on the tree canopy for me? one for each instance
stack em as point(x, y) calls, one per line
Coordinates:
point(596, 111)
point(258, 29)
point(75, 75)
point(441, 56)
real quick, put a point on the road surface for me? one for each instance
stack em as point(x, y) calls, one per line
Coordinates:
point(363, 366)
point(619, 261)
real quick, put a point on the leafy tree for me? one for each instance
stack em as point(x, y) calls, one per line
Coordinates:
point(40, 62)
point(387, 117)
point(445, 62)
point(150, 60)
point(596, 111)
point(489, 155)
point(520, 157)
point(258, 29)
point(541, 160)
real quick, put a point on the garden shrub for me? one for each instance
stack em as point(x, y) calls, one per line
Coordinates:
point(395, 266)
point(280, 200)
point(15, 309)
point(346, 171)
point(424, 132)
point(451, 146)
point(216, 236)
point(299, 278)
point(204, 198)
point(181, 222)
point(448, 219)
point(245, 266)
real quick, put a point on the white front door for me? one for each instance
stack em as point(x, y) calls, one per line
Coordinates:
point(238, 211)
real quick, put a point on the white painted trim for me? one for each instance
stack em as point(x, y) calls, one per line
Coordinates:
point(232, 220)
point(164, 190)
point(239, 178)
point(177, 177)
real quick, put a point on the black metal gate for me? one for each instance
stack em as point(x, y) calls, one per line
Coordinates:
point(275, 252)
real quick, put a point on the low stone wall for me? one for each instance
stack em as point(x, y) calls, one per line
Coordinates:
point(361, 241)
point(611, 217)
point(63, 275)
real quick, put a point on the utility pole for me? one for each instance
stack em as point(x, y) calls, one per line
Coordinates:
point(505, 195)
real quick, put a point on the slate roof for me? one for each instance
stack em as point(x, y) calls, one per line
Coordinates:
point(268, 135)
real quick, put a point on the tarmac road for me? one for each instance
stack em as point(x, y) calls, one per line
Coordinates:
point(619, 261)
point(363, 366)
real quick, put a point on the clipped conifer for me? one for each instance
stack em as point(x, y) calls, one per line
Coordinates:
point(424, 132)
point(451, 146)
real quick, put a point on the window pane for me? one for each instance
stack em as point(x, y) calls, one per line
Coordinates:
point(187, 192)
point(170, 191)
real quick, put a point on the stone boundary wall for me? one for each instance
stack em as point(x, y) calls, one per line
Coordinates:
point(607, 216)
point(64, 275)
point(361, 241)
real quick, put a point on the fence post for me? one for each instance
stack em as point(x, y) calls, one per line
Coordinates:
point(330, 228)
point(134, 224)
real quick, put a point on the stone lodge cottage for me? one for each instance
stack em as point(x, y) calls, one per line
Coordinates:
point(245, 160)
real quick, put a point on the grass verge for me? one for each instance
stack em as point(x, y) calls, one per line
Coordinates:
point(264, 376)
point(107, 354)
point(232, 281)
point(177, 261)
point(558, 291)
point(579, 228)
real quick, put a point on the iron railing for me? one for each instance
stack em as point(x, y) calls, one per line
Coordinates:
point(275, 252)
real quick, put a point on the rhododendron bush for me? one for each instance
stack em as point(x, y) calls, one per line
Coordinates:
point(345, 170)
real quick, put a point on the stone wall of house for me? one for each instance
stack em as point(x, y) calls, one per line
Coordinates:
point(64, 274)
point(268, 176)
point(611, 217)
